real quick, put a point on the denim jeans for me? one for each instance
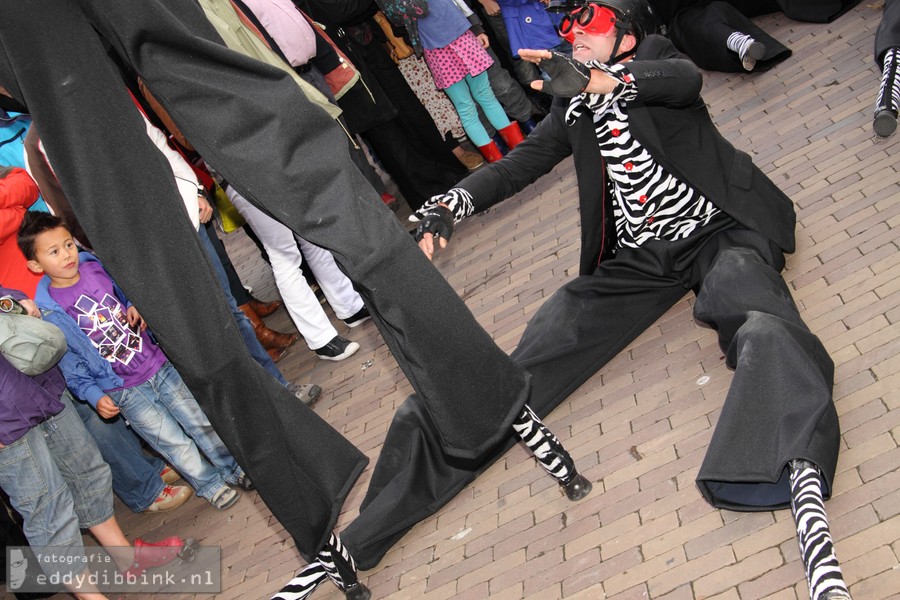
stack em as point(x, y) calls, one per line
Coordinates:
point(135, 475)
point(164, 413)
point(244, 326)
point(57, 480)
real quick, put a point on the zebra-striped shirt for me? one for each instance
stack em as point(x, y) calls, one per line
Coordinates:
point(651, 204)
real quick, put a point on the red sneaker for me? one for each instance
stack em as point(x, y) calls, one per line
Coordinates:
point(155, 554)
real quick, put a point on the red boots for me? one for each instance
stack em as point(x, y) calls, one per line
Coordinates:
point(511, 135)
point(490, 152)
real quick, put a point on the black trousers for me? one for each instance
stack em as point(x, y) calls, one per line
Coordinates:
point(887, 35)
point(779, 406)
point(288, 157)
point(701, 31)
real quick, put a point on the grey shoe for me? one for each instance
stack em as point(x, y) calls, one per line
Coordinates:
point(225, 497)
point(307, 393)
point(244, 482)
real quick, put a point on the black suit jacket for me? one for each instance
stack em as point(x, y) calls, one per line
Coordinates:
point(669, 118)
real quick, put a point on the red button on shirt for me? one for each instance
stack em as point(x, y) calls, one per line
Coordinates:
point(650, 219)
point(642, 199)
point(615, 132)
point(628, 166)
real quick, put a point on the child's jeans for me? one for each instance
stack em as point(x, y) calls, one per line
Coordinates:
point(56, 479)
point(164, 412)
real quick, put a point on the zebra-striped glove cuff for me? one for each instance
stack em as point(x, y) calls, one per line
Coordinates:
point(458, 200)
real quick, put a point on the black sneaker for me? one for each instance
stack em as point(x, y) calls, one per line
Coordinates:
point(337, 349)
point(361, 316)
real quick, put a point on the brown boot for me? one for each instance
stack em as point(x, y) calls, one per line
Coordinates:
point(267, 337)
point(468, 158)
point(276, 354)
point(512, 135)
point(264, 309)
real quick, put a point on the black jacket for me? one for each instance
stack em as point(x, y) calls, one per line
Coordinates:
point(669, 118)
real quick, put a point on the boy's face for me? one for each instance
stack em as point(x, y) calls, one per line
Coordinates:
point(56, 255)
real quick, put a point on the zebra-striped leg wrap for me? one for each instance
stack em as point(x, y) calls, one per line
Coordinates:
point(302, 586)
point(341, 568)
point(888, 102)
point(550, 453)
point(823, 572)
point(747, 49)
point(333, 562)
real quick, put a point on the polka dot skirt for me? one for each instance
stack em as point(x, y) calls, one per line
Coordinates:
point(463, 56)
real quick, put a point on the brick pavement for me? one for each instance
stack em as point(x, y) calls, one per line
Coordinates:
point(639, 428)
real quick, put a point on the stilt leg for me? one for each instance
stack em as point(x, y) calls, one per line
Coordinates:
point(885, 120)
point(550, 453)
point(823, 572)
point(303, 585)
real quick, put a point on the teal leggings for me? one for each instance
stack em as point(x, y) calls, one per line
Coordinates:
point(464, 93)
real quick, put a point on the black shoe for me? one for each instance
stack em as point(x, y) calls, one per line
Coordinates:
point(337, 349)
point(361, 316)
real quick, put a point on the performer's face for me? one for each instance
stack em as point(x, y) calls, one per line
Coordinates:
point(599, 47)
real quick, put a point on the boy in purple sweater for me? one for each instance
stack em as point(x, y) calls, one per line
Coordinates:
point(55, 477)
point(114, 364)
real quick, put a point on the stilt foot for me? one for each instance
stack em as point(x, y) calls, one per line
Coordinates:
point(578, 488)
point(357, 591)
point(885, 122)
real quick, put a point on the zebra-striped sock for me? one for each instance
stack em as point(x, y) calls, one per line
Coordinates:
point(302, 586)
point(823, 572)
point(747, 49)
point(888, 102)
point(333, 562)
point(341, 568)
point(551, 454)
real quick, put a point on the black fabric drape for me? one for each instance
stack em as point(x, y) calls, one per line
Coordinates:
point(888, 33)
point(253, 125)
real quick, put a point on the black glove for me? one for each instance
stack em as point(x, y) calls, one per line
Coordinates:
point(437, 221)
point(568, 77)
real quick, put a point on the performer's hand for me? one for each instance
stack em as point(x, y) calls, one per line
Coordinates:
point(436, 222)
point(30, 308)
point(107, 408)
point(427, 244)
point(568, 77)
point(483, 40)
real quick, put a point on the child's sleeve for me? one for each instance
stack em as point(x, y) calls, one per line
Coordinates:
point(75, 369)
point(78, 378)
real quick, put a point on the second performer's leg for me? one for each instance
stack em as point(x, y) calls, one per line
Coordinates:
point(551, 454)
